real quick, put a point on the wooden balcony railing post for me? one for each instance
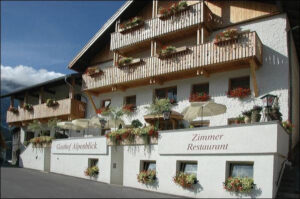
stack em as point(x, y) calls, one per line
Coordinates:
point(71, 89)
point(41, 95)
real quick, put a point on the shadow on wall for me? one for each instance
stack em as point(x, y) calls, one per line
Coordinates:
point(253, 194)
point(146, 149)
point(277, 64)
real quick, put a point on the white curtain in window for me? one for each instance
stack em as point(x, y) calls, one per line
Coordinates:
point(190, 168)
point(239, 170)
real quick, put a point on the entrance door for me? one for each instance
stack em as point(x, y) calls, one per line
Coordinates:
point(117, 155)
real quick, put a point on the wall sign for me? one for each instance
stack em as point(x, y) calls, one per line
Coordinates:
point(79, 146)
point(229, 140)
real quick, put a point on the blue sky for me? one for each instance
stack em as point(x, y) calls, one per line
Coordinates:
point(47, 35)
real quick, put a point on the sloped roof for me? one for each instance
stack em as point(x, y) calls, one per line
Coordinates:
point(55, 81)
point(103, 29)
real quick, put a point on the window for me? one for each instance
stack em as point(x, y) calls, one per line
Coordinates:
point(148, 165)
point(241, 82)
point(106, 103)
point(170, 93)
point(188, 167)
point(93, 162)
point(130, 100)
point(29, 135)
point(241, 170)
point(200, 88)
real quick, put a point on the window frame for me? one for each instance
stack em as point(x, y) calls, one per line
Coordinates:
point(126, 97)
point(166, 89)
point(144, 166)
point(236, 79)
point(181, 165)
point(200, 84)
point(230, 167)
point(103, 103)
point(93, 162)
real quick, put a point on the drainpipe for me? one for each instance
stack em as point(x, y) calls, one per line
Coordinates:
point(290, 114)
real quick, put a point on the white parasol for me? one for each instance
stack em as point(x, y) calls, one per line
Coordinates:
point(68, 125)
point(203, 109)
point(82, 123)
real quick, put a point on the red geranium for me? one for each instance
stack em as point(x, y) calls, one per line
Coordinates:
point(239, 92)
point(199, 97)
point(128, 108)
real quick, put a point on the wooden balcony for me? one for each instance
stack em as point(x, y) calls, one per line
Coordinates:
point(66, 108)
point(207, 58)
point(156, 27)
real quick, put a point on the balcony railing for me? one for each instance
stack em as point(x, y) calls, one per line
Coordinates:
point(209, 56)
point(156, 27)
point(65, 107)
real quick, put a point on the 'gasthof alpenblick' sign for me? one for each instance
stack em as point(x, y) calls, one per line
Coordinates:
point(80, 146)
point(246, 139)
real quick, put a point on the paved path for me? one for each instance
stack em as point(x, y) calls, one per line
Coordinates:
point(26, 183)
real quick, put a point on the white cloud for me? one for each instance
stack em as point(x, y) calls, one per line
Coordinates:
point(21, 76)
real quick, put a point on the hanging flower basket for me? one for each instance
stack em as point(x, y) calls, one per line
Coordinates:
point(42, 141)
point(51, 103)
point(13, 109)
point(240, 185)
point(132, 24)
point(239, 93)
point(94, 71)
point(230, 34)
point(199, 97)
point(28, 107)
point(129, 134)
point(173, 9)
point(103, 111)
point(185, 180)
point(147, 177)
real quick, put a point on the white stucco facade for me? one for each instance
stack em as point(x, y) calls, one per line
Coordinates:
point(37, 158)
point(272, 78)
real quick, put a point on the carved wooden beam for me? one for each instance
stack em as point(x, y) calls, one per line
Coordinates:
point(253, 67)
point(92, 101)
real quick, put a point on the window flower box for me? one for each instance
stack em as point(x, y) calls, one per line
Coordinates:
point(92, 171)
point(128, 61)
point(199, 97)
point(51, 103)
point(240, 185)
point(230, 34)
point(13, 109)
point(131, 25)
point(128, 108)
point(239, 93)
point(42, 141)
point(173, 9)
point(147, 177)
point(94, 71)
point(185, 180)
point(168, 51)
point(28, 107)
